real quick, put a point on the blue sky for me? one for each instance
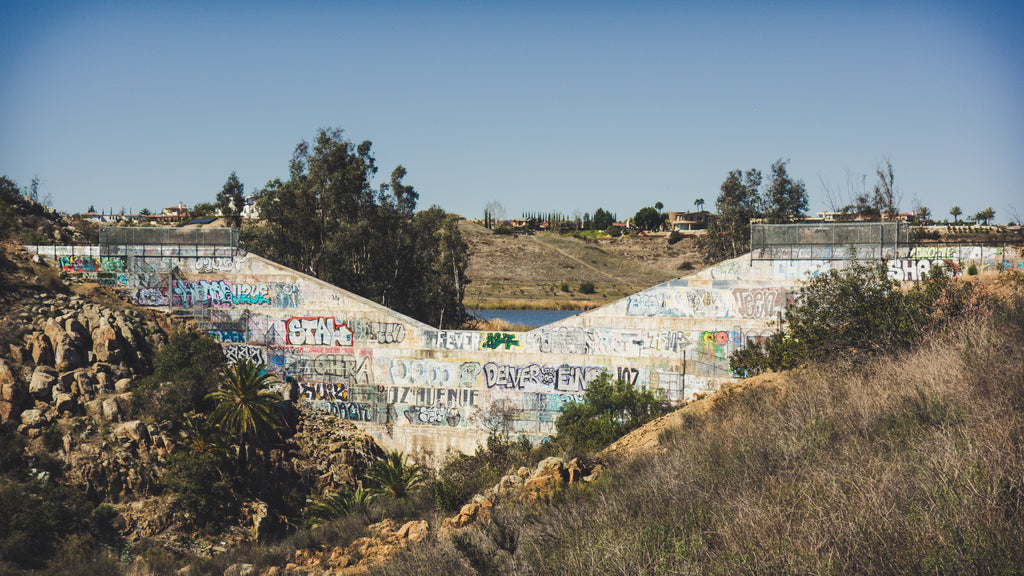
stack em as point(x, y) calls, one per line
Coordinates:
point(541, 106)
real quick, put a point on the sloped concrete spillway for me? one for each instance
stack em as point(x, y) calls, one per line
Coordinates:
point(424, 390)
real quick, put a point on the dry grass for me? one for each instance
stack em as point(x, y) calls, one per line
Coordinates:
point(906, 464)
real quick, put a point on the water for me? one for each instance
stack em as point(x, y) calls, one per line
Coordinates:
point(531, 318)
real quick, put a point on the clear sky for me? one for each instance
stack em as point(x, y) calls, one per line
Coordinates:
point(541, 106)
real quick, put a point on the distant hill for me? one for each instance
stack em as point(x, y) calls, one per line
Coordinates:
point(528, 271)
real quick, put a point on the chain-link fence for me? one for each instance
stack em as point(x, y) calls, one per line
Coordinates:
point(829, 241)
point(168, 241)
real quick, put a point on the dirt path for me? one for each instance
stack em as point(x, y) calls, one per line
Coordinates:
point(573, 258)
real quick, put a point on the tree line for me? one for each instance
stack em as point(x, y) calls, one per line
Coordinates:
point(328, 220)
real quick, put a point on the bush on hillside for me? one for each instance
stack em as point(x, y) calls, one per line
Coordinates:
point(859, 309)
point(185, 370)
point(610, 409)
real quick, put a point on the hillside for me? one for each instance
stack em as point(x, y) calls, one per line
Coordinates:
point(528, 270)
point(910, 463)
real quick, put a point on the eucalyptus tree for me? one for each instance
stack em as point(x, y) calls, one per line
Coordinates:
point(328, 220)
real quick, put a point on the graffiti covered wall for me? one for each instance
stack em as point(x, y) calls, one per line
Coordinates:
point(417, 388)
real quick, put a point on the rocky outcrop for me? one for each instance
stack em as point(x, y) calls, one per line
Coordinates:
point(379, 542)
point(334, 454)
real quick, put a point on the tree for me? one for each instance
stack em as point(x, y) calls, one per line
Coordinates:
point(231, 201)
point(494, 213)
point(785, 199)
point(92, 209)
point(985, 215)
point(886, 199)
point(610, 408)
point(8, 215)
point(955, 211)
point(328, 221)
point(603, 219)
point(728, 235)
point(145, 212)
point(648, 219)
point(204, 209)
point(699, 203)
point(658, 206)
point(245, 405)
point(922, 214)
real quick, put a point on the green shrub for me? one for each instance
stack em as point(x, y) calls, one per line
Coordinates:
point(674, 237)
point(972, 270)
point(613, 231)
point(587, 287)
point(185, 370)
point(203, 486)
point(565, 287)
point(609, 410)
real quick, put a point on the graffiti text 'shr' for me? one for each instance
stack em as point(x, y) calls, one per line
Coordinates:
point(318, 331)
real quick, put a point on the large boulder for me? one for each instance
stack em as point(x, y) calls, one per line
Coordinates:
point(13, 392)
point(42, 383)
point(41, 351)
point(106, 343)
point(66, 355)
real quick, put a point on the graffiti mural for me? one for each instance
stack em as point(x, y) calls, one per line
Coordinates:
point(77, 264)
point(355, 411)
point(433, 415)
point(564, 378)
point(323, 391)
point(914, 270)
point(496, 339)
point(235, 352)
point(226, 335)
point(460, 397)
point(317, 331)
point(250, 294)
point(200, 293)
point(760, 303)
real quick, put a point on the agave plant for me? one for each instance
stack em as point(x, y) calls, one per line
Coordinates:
point(395, 476)
point(336, 505)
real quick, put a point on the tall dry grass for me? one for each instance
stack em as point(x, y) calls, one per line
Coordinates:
point(903, 464)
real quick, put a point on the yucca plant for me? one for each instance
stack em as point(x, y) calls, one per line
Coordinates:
point(336, 505)
point(395, 476)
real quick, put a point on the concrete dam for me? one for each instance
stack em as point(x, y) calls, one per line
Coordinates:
point(423, 390)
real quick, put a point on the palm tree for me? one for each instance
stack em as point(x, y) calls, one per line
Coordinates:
point(395, 476)
point(245, 406)
point(699, 203)
point(987, 214)
point(955, 211)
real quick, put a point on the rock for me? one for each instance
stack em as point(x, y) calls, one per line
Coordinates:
point(42, 350)
point(134, 430)
point(111, 411)
point(32, 418)
point(105, 343)
point(240, 570)
point(94, 407)
point(66, 355)
point(19, 354)
point(123, 385)
point(41, 386)
point(13, 393)
point(414, 531)
point(64, 403)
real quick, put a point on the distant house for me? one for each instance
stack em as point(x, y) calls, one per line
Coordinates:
point(688, 221)
point(250, 211)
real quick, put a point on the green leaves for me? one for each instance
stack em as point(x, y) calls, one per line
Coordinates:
point(395, 476)
point(245, 406)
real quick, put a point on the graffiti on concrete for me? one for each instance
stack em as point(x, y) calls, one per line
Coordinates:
point(439, 373)
point(464, 340)
point(77, 264)
point(497, 339)
point(200, 293)
point(645, 304)
point(356, 411)
point(760, 303)
point(112, 264)
point(377, 332)
point(628, 375)
point(323, 391)
point(460, 397)
point(207, 265)
point(286, 295)
point(914, 270)
point(317, 331)
point(243, 294)
point(223, 336)
point(433, 415)
point(235, 352)
point(564, 378)
point(151, 297)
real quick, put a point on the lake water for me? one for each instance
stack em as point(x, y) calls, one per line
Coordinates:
point(531, 318)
